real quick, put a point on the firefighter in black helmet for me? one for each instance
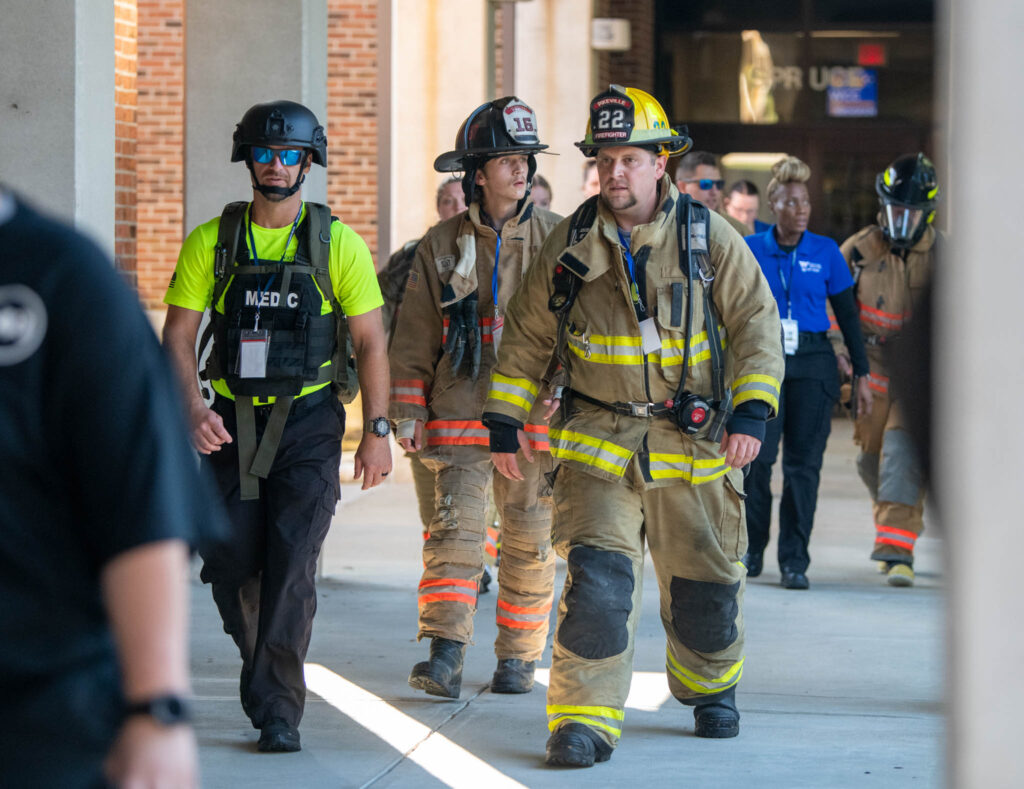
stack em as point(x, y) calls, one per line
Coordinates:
point(463, 274)
point(892, 263)
point(286, 287)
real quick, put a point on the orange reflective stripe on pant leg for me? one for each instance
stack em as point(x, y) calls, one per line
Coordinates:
point(447, 590)
point(898, 537)
point(522, 617)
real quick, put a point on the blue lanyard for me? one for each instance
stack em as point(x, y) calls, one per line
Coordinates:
point(494, 276)
point(256, 257)
point(634, 291)
point(786, 283)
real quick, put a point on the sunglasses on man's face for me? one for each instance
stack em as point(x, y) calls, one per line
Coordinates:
point(706, 183)
point(288, 156)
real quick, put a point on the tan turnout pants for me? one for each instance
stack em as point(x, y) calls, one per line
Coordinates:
point(890, 470)
point(453, 555)
point(696, 535)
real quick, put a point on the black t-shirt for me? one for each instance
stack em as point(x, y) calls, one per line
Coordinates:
point(94, 461)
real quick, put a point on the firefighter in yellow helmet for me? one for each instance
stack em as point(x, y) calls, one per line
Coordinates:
point(449, 328)
point(638, 286)
point(891, 263)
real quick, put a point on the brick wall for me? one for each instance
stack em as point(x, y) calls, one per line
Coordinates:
point(125, 100)
point(352, 115)
point(161, 144)
point(634, 68)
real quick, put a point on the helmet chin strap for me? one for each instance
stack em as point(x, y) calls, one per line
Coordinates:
point(268, 191)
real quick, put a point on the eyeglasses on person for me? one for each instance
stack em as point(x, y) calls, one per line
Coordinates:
point(288, 156)
point(706, 183)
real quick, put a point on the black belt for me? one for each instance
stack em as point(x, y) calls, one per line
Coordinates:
point(813, 335)
point(627, 409)
point(299, 406)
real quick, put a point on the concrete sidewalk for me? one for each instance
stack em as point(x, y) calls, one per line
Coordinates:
point(842, 685)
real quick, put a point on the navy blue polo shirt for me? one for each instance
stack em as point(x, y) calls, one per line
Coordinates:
point(802, 280)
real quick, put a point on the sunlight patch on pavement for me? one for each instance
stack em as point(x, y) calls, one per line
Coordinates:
point(647, 691)
point(435, 753)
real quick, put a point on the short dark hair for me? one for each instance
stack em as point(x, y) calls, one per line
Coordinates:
point(744, 187)
point(586, 168)
point(688, 164)
point(542, 182)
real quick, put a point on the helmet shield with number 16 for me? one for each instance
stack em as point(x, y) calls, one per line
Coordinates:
point(629, 116)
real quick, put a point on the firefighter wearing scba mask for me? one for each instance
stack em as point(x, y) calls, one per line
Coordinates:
point(464, 272)
point(638, 286)
point(891, 263)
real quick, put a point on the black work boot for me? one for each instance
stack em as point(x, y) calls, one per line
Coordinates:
point(442, 674)
point(278, 736)
point(754, 562)
point(717, 719)
point(513, 676)
point(576, 745)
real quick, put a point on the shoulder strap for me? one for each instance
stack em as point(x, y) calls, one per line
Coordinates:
point(582, 220)
point(228, 235)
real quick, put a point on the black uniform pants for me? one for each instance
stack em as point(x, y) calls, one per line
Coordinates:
point(803, 424)
point(263, 575)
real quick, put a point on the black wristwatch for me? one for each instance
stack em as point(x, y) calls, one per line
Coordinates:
point(379, 426)
point(168, 710)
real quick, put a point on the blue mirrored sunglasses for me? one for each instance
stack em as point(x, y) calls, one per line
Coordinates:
point(288, 156)
point(707, 183)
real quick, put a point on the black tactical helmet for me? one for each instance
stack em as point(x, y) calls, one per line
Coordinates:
point(280, 123)
point(505, 125)
point(908, 192)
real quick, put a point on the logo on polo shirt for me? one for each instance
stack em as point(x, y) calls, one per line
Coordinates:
point(22, 323)
point(808, 267)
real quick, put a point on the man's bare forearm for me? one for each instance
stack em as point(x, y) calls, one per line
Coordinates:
point(179, 338)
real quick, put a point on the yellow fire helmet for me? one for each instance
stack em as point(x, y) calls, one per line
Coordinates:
point(629, 116)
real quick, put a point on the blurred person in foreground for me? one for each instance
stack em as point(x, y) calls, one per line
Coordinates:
point(636, 294)
point(892, 263)
point(99, 502)
point(806, 272)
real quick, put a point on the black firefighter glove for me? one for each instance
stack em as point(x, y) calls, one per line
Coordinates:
point(463, 331)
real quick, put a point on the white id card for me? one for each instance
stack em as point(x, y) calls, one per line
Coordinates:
point(496, 328)
point(649, 336)
point(790, 336)
point(252, 353)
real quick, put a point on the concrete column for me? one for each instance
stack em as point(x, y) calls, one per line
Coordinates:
point(980, 422)
point(57, 109)
point(240, 53)
point(438, 72)
point(553, 75)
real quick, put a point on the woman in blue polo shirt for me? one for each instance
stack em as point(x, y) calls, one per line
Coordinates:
point(804, 270)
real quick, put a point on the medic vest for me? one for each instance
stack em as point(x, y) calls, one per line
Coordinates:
point(306, 347)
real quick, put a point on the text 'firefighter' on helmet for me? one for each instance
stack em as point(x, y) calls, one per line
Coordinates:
point(629, 116)
point(499, 127)
point(908, 193)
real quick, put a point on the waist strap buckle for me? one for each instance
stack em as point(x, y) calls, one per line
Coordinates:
point(641, 409)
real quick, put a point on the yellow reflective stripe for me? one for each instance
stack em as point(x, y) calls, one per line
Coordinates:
point(756, 387)
point(601, 712)
point(553, 723)
point(518, 383)
point(676, 466)
point(704, 685)
point(569, 445)
point(510, 398)
point(700, 349)
point(519, 392)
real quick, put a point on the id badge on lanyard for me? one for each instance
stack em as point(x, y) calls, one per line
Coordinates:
point(254, 343)
point(790, 327)
point(253, 350)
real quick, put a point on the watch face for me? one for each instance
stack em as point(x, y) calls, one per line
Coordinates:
point(380, 426)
